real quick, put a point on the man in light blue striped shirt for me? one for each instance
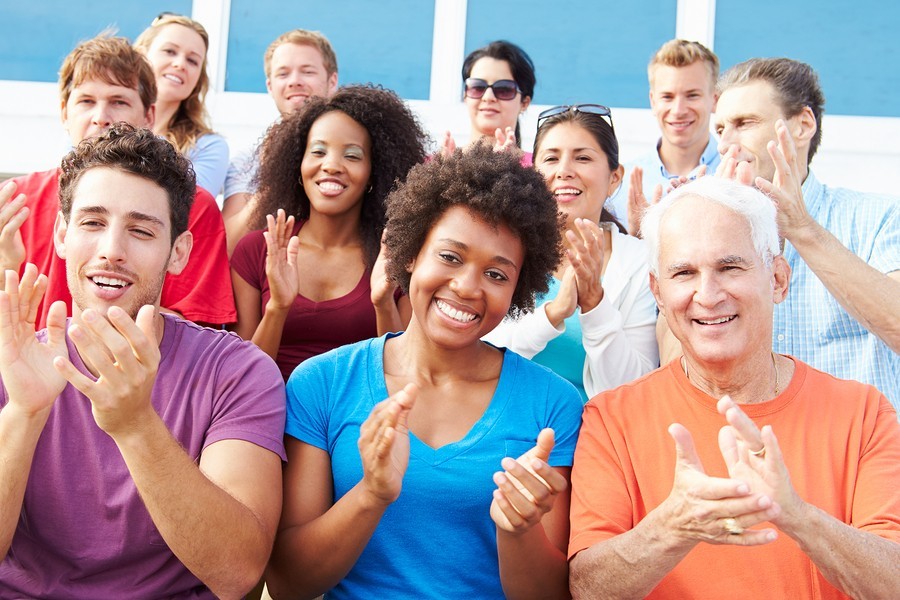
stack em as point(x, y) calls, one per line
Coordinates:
point(843, 313)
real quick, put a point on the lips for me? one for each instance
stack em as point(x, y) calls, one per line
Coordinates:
point(330, 187)
point(109, 284)
point(457, 315)
point(566, 194)
point(173, 78)
point(716, 320)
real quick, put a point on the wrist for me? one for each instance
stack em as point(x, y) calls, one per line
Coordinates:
point(277, 308)
point(591, 302)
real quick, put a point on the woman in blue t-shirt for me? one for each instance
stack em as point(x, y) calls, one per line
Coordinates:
point(392, 488)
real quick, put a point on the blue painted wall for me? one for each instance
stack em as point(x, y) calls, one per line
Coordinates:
point(386, 42)
point(38, 34)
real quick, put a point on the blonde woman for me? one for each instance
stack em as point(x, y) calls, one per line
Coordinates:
point(176, 47)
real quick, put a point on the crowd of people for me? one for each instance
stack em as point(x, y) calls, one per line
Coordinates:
point(486, 372)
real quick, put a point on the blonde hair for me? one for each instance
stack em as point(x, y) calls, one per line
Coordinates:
point(190, 121)
point(683, 53)
point(303, 37)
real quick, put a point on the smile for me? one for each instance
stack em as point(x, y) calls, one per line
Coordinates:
point(718, 321)
point(109, 282)
point(173, 78)
point(456, 315)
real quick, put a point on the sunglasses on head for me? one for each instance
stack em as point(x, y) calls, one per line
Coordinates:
point(162, 16)
point(505, 89)
point(593, 109)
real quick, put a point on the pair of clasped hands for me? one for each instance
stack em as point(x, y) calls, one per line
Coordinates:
point(526, 488)
point(123, 352)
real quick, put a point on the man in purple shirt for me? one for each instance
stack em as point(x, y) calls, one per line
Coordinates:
point(140, 454)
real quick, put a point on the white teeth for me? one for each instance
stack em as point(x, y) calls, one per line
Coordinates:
point(567, 192)
point(174, 78)
point(716, 321)
point(331, 186)
point(108, 281)
point(456, 315)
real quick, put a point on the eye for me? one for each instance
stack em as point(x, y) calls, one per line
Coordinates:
point(194, 62)
point(317, 151)
point(549, 159)
point(142, 233)
point(719, 130)
point(91, 223)
point(450, 257)
point(353, 156)
point(85, 101)
point(583, 158)
point(496, 275)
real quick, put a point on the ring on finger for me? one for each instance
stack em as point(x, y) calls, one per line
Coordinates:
point(760, 453)
point(731, 526)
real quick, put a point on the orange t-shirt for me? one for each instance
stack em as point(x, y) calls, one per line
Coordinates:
point(840, 441)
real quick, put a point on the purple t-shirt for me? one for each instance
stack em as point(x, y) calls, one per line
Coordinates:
point(84, 531)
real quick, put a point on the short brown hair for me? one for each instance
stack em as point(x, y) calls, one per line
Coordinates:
point(795, 83)
point(109, 59)
point(683, 53)
point(303, 37)
point(139, 152)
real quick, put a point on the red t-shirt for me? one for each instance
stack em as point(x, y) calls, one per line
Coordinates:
point(201, 293)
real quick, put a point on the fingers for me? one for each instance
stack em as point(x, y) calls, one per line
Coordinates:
point(12, 215)
point(79, 380)
point(657, 193)
point(685, 452)
point(636, 183)
point(56, 323)
point(448, 145)
point(526, 492)
point(743, 426)
point(545, 442)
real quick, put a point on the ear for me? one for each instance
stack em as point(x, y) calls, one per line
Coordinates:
point(803, 127)
point(332, 83)
point(63, 114)
point(781, 279)
point(150, 116)
point(59, 235)
point(652, 101)
point(268, 86)
point(615, 180)
point(526, 102)
point(654, 289)
point(181, 252)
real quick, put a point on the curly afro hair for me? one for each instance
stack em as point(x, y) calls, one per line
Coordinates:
point(398, 143)
point(494, 186)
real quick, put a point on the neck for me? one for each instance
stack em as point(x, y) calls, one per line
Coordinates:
point(164, 113)
point(681, 161)
point(327, 231)
point(427, 364)
point(754, 380)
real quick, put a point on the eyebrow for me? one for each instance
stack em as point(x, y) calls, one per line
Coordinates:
point(461, 246)
point(134, 215)
point(730, 259)
point(350, 145)
point(190, 52)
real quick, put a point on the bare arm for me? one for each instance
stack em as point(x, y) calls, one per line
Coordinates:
point(13, 213)
point(319, 540)
point(868, 295)
point(390, 315)
point(237, 210)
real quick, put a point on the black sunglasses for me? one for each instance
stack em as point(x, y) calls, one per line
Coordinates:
point(505, 89)
point(162, 16)
point(593, 109)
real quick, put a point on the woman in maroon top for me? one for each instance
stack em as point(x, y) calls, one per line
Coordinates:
point(312, 280)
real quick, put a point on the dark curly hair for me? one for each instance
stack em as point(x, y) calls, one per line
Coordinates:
point(139, 152)
point(499, 190)
point(398, 143)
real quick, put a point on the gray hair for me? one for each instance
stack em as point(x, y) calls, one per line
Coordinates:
point(746, 201)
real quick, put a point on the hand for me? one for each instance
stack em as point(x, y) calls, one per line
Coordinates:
point(382, 287)
point(12, 215)
point(766, 473)
point(448, 145)
point(281, 261)
point(563, 306)
point(384, 445)
point(698, 505)
point(786, 188)
point(586, 256)
point(125, 355)
point(26, 365)
point(527, 488)
point(505, 140)
point(730, 168)
point(637, 202)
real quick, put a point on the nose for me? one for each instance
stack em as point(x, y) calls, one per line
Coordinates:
point(332, 162)
point(490, 91)
point(111, 246)
point(465, 282)
point(102, 115)
point(726, 140)
point(709, 291)
point(564, 168)
point(678, 104)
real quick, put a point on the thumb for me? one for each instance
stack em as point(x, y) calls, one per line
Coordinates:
point(685, 452)
point(544, 446)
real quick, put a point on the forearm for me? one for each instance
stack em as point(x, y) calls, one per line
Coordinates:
point(236, 213)
point(868, 295)
point(628, 565)
point(310, 559)
point(387, 317)
point(269, 331)
point(19, 435)
point(219, 539)
point(848, 557)
point(531, 566)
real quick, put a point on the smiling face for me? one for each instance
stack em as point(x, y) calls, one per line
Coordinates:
point(463, 278)
point(94, 105)
point(337, 164)
point(715, 291)
point(297, 71)
point(682, 99)
point(177, 55)
point(488, 113)
point(117, 243)
point(576, 170)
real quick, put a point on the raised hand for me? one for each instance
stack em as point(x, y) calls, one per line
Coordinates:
point(527, 487)
point(701, 508)
point(637, 202)
point(448, 145)
point(585, 254)
point(754, 456)
point(26, 365)
point(13, 213)
point(125, 356)
point(563, 306)
point(382, 287)
point(281, 261)
point(384, 445)
point(505, 140)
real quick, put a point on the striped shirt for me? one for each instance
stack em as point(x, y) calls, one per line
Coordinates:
point(810, 324)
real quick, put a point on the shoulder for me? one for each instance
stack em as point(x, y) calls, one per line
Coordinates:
point(210, 142)
point(40, 187)
point(542, 382)
point(637, 396)
point(343, 364)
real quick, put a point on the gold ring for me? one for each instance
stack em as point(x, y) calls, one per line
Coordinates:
point(731, 526)
point(760, 453)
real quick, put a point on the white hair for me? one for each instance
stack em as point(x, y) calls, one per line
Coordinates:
point(746, 201)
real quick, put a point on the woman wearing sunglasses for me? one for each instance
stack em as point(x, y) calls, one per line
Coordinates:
point(176, 48)
point(402, 479)
point(499, 85)
point(596, 325)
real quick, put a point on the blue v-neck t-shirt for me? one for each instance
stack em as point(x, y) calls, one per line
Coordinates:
point(437, 540)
